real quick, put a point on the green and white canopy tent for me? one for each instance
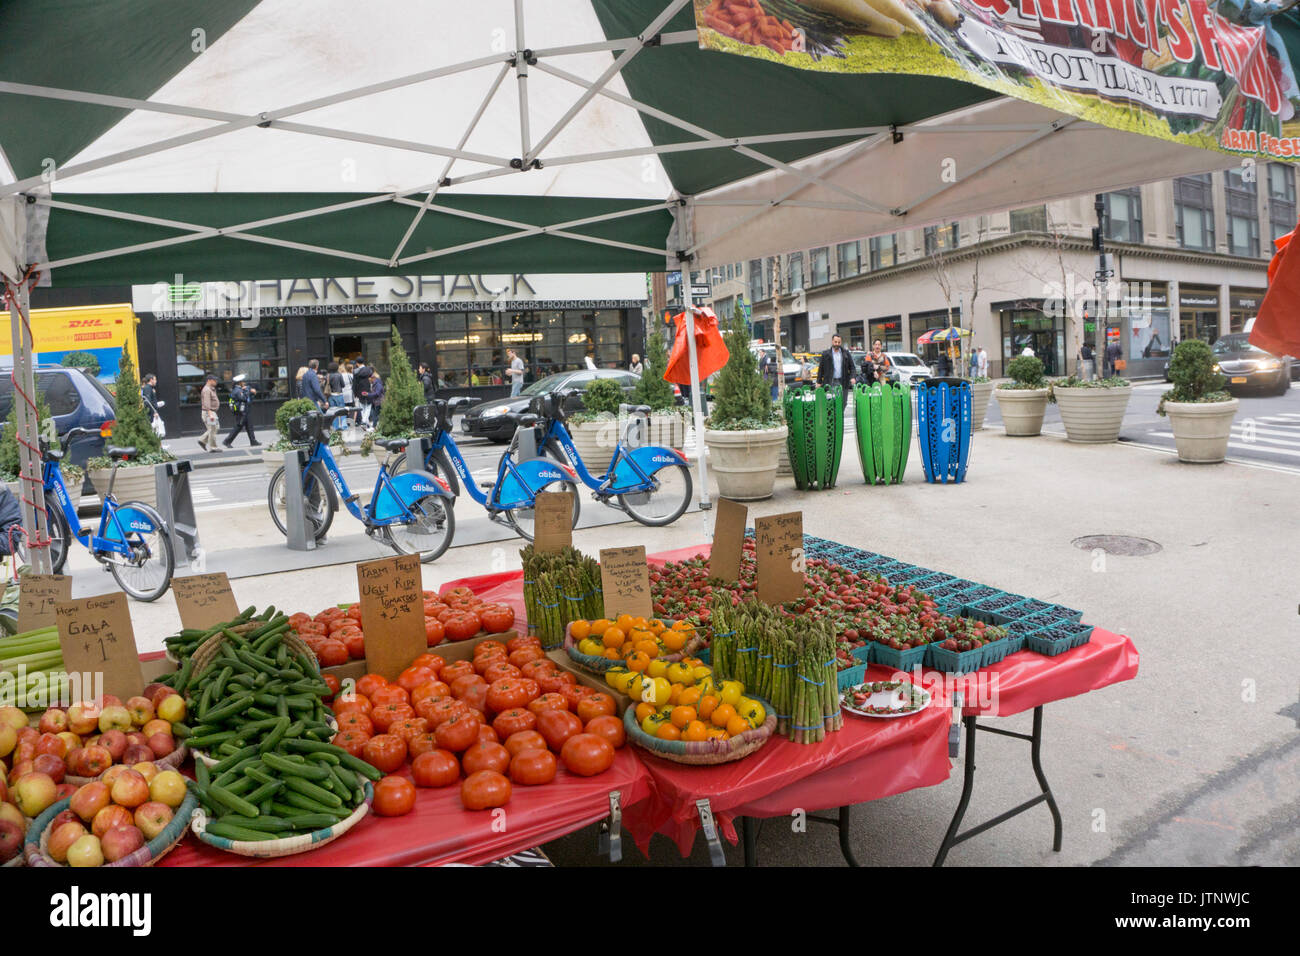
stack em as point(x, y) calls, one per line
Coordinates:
point(237, 139)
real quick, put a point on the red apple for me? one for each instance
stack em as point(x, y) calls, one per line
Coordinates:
point(115, 742)
point(53, 721)
point(152, 818)
point(171, 708)
point(130, 789)
point(160, 695)
point(95, 760)
point(20, 769)
point(156, 726)
point(11, 840)
point(168, 788)
point(63, 816)
point(89, 799)
point(8, 739)
point(137, 753)
point(110, 775)
point(70, 739)
point(26, 750)
point(10, 811)
point(162, 745)
point(109, 817)
point(4, 789)
point(65, 790)
point(50, 765)
point(114, 717)
point(137, 738)
point(28, 733)
point(61, 839)
point(146, 769)
point(108, 700)
point(14, 717)
point(75, 759)
point(86, 852)
point(52, 744)
point(121, 841)
point(140, 709)
point(34, 792)
point(83, 718)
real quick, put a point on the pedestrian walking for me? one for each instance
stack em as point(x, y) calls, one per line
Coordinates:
point(636, 368)
point(515, 371)
point(297, 382)
point(208, 405)
point(376, 398)
point(311, 387)
point(983, 368)
point(836, 366)
point(149, 395)
point(361, 376)
point(770, 368)
point(427, 383)
point(1085, 361)
point(974, 362)
point(334, 389)
point(1114, 356)
point(241, 399)
point(875, 364)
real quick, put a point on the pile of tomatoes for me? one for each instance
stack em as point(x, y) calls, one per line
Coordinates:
point(501, 718)
point(337, 635)
point(629, 638)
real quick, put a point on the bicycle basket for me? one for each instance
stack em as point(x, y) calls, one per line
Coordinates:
point(431, 417)
point(548, 406)
point(305, 429)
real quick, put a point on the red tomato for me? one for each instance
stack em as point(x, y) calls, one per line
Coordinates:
point(533, 767)
point(353, 741)
point(476, 698)
point(384, 717)
point(344, 627)
point(489, 659)
point(522, 640)
point(498, 669)
point(333, 683)
point(314, 641)
point(453, 594)
point(506, 694)
point(609, 727)
point(298, 618)
point(536, 670)
point(413, 677)
point(461, 625)
point(485, 756)
point(512, 721)
point(409, 727)
point(438, 711)
point(490, 645)
point(390, 694)
point(455, 669)
point(529, 652)
point(394, 796)
point(587, 754)
point(557, 726)
point(355, 720)
point(311, 627)
point(332, 653)
point(385, 752)
point(548, 702)
point(353, 612)
point(484, 790)
point(595, 704)
point(430, 688)
point(430, 660)
point(444, 613)
point(525, 740)
point(462, 684)
point(371, 683)
point(356, 645)
point(555, 681)
point(497, 618)
point(435, 768)
point(574, 693)
point(329, 614)
point(457, 734)
point(488, 735)
point(434, 631)
point(421, 744)
point(354, 701)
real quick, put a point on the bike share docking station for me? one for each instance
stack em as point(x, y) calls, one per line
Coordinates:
point(176, 506)
point(299, 536)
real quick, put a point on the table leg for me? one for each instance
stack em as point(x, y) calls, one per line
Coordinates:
point(1035, 749)
point(749, 837)
point(967, 785)
point(845, 826)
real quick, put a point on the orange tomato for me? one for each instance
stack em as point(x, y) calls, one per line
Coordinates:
point(656, 625)
point(737, 725)
point(722, 715)
point(690, 697)
point(613, 637)
point(718, 733)
point(668, 731)
point(599, 627)
point(624, 622)
point(644, 710)
point(637, 661)
point(613, 654)
point(697, 730)
point(580, 630)
point(648, 647)
point(681, 716)
point(683, 626)
point(674, 640)
point(707, 705)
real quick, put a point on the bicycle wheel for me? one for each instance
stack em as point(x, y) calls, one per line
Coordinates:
point(430, 534)
point(523, 520)
point(147, 573)
point(435, 464)
point(319, 510)
point(664, 504)
point(60, 535)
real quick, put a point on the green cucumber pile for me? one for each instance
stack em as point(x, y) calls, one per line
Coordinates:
point(184, 643)
point(257, 709)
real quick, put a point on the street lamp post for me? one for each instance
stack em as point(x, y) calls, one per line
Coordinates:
point(1104, 272)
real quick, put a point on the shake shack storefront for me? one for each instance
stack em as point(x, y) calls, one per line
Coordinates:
point(460, 325)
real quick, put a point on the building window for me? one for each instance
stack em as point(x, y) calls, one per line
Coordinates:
point(939, 238)
point(1029, 219)
point(226, 348)
point(884, 251)
point(470, 347)
point(1243, 213)
point(821, 265)
point(793, 273)
point(848, 256)
point(1194, 206)
point(1124, 215)
point(757, 281)
point(1281, 199)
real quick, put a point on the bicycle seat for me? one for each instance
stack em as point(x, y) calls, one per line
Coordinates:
point(52, 454)
point(116, 451)
point(637, 409)
point(392, 444)
point(527, 421)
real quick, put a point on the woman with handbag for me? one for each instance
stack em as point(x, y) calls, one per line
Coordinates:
point(149, 394)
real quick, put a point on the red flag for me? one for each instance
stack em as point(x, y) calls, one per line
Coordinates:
point(1277, 327)
point(711, 350)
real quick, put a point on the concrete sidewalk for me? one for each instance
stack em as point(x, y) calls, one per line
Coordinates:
point(1195, 761)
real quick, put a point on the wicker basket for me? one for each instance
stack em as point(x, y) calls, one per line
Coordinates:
point(38, 835)
point(172, 761)
point(598, 665)
point(702, 752)
point(298, 843)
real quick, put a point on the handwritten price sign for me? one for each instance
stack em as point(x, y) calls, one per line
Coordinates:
point(38, 596)
point(96, 637)
point(625, 579)
point(779, 551)
point(392, 612)
point(204, 600)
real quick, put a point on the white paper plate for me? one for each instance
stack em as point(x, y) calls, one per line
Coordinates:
point(886, 698)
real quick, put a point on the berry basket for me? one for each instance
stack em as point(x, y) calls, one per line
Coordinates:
point(850, 676)
point(1059, 612)
point(996, 651)
point(1027, 607)
point(996, 608)
point(1058, 639)
point(954, 662)
point(905, 660)
point(702, 752)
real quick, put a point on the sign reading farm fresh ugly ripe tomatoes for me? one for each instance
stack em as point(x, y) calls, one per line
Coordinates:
point(392, 605)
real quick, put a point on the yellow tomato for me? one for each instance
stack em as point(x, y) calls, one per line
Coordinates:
point(652, 723)
point(590, 646)
point(754, 713)
point(657, 668)
point(732, 691)
point(701, 671)
point(680, 674)
point(707, 686)
point(635, 686)
point(656, 689)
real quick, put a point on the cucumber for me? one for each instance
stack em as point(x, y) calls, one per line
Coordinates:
point(233, 801)
point(231, 831)
point(227, 672)
point(260, 773)
point(265, 823)
point(238, 787)
point(236, 770)
point(180, 731)
point(210, 740)
point(238, 756)
point(305, 803)
point(264, 792)
point(313, 821)
point(236, 705)
point(311, 791)
point(201, 773)
point(286, 767)
point(272, 739)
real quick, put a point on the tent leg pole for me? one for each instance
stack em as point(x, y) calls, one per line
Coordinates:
point(697, 407)
point(28, 427)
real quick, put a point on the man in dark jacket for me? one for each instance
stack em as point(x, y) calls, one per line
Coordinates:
point(427, 383)
point(361, 389)
point(311, 385)
point(241, 396)
point(836, 366)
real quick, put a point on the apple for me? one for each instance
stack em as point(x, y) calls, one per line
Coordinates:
point(50, 765)
point(14, 717)
point(109, 817)
point(89, 799)
point(140, 709)
point(162, 745)
point(95, 760)
point(83, 718)
point(115, 742)
point(137, 753)
point(8, 739)
point(53, 721)
point(136, 738)
point(28, 733)
point(146, 769)
point(114, 717)
point(70, 739)
point(11, 840)
point(26, 750)
point(34, 793)
point(121, 841)
point(20, 769)
point(110, 775)
point(10, 811)
point(151, 691)
point(86, 852)
point(63, 816)
point(168, 788)
point(156, 726)
point(4, 789)
point(130, 789)
point(65, 790)
point(52, 744)
point(152, 818)
point(108, 700)
point(61, 839)
point(171, 708)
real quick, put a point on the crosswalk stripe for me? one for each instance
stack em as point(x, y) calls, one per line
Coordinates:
point(1250, 446)
point(1247, 462)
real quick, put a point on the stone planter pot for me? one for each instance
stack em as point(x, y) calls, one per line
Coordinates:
point(1201, 430)
point(1022, 410)
point(980, 393)
point(1092, 415)
point(132, 484)
point(667, 429)
point(783, 467)
point(595, 442)
point(745, 462)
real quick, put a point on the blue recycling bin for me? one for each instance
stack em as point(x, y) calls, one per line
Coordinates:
point(943, 428)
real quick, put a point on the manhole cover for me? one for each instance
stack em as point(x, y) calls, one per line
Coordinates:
point(1122, 544)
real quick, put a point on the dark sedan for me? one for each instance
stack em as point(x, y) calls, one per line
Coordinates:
point(1249, 367)
point(498, 418)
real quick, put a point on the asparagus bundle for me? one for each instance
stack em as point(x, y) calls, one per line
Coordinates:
point(559, 588)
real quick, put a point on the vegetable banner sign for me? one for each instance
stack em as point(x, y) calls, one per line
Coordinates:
point(1216, 76)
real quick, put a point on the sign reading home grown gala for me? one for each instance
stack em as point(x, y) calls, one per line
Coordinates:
point(96, 638)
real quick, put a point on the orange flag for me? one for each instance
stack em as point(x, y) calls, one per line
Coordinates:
point(711, 350)
point(1277, 327)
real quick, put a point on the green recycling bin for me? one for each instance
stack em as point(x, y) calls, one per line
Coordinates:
point(882, 412)
point(814, 418)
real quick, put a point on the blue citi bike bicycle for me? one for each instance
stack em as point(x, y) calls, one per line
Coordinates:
point(410, 512)
point(132, 544)
point(651, 483)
